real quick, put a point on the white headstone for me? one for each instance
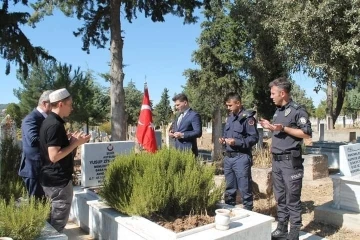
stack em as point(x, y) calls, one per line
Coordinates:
point(321, 132)
point(95, 157)
point(349, 159)
point(158, 138)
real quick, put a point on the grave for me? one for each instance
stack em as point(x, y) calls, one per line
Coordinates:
point(104, 222)
point(95, 157)
point(344, 210)
point(315, 167)
point(328, 148)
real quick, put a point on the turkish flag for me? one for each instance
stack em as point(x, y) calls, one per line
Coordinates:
point(145, 132)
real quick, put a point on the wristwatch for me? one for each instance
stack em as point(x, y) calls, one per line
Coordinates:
point(282, 128)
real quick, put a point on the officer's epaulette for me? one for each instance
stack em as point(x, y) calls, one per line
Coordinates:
point(295, 105)
point(247, 113)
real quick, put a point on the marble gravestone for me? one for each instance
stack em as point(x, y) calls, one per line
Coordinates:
point(349, 159)
point(344, 210)
point(95, 157)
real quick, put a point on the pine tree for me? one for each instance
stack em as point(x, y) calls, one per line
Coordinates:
point(102, 24)
point(133, 100)
point(163, 111)
point(15, 47)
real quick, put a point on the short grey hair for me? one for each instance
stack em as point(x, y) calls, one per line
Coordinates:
point(283, 83)
point(45, 97)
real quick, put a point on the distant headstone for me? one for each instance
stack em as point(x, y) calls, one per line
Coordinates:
point(261, 136)
point(350, 159)
point(158, 139)
point(169, 141)
point(352, 137)
point(321, 132)
point(95, 157)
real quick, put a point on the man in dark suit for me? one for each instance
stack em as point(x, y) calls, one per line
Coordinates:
point(187, 126)
point(31, 162)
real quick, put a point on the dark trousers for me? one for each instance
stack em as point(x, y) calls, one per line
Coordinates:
point(237, 171)
point(33, 187)
point(61, 199)
point(287, 183)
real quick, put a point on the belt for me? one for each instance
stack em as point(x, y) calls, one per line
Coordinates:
point(282, 156)
point(233, 154)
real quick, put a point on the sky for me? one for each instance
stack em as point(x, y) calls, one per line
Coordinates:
point(157, 52)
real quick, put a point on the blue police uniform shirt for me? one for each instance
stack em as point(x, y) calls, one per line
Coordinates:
point(294, 116)
point(241, 127)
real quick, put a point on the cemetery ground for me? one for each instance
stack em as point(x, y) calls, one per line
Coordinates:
point(314, 193)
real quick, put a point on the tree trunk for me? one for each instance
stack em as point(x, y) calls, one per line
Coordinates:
point(330, 102)
point(117, 94)
point(341, 87)
point(216, 134)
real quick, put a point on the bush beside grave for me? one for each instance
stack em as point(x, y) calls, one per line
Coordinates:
point(10, 183)
point(167, 183)
point(24, 218)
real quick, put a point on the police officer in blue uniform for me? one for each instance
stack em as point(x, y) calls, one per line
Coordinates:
point(290, 126)
point(240, 135)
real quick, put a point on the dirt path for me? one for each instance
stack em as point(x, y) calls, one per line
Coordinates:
point(316, 193)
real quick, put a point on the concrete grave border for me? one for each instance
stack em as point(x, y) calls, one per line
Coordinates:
point(104, 222)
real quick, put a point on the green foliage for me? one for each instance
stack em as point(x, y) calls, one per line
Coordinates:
point(14, 111)
point(133, 99)
point(102, 23)
point(162, 110)
point(15, 47)
point(105, 127)
point(10, 159)
point(299, 96)
point(322, 39)
point(24, 220)
point(220, 57)
point(90, 101)
point(169, 183)
point(352, 103)
point(10, 183)
point(320, 111)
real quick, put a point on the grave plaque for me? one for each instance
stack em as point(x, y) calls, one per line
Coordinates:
point(350, 159)
point(95, 157)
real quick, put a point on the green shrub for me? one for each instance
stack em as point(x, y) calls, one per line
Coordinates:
point(168, 183)
point(10, 159)
point(24, 220)
point(106, 127)
point(9, 189)
point(10, 182)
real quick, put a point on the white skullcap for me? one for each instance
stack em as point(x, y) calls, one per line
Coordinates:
point(59, 95)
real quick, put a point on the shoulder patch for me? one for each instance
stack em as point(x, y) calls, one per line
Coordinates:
point(251, 122)
point(302, 120)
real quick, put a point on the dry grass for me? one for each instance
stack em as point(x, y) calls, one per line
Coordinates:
point(262, 157)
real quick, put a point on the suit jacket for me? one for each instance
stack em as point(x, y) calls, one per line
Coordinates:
point(30, 165)
point(190, 125)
